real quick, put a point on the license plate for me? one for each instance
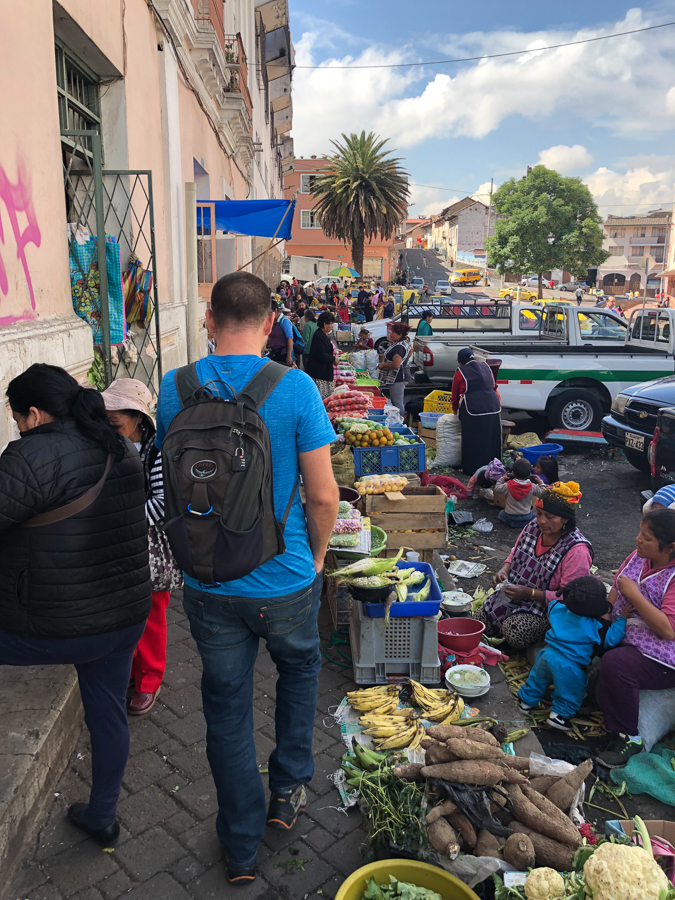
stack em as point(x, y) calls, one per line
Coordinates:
point(634, 441)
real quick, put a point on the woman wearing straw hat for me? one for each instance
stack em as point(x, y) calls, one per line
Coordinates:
point(127, 404)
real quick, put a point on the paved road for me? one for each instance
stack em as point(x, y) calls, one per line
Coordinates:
point(426, 264)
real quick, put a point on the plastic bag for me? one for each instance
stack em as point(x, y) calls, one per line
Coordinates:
point(372, 359)
point(657, 716)
point(358, 359)
point(544, 765)
point(474, 869)
point(448, 441)
point(483, 525)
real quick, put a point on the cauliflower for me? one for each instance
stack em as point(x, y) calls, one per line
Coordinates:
point(622, 872)
point(544, 884)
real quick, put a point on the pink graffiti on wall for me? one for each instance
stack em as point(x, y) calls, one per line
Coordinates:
point(18, 199)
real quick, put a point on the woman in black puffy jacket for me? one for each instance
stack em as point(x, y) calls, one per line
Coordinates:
point(74, 574)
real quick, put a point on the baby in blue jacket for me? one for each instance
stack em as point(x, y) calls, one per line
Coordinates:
point(577, 628)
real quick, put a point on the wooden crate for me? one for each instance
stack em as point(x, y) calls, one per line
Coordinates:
point(344, 337)
point(423, 507)
point(428, 435)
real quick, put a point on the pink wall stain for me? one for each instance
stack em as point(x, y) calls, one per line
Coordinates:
point(18, 198)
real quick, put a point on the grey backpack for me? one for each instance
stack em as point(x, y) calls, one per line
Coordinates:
point(218, 494)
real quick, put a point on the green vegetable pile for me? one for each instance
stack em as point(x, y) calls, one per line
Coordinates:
point(398, 890)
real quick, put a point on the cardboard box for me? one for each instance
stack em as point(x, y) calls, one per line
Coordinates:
point(656, 828)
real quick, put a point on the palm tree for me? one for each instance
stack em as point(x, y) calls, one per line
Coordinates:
point(362, 193)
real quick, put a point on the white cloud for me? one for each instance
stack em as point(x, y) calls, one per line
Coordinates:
point(647, 183)
point(483, 192)
point(565, 159)
point(624, 85)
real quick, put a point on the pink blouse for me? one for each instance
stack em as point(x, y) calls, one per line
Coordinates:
point(576, 562)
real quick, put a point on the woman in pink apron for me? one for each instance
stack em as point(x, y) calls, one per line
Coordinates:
point(645, 583)
point(550, 552)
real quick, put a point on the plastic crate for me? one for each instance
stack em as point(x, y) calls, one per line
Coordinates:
point(377, 402)
point(438, 402)
point(376, 415)
point(429, 420)
point(390, 460)
point(406, 648)
point(411, 608)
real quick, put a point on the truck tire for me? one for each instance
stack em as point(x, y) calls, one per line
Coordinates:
point(576, 409)
point(637, 460)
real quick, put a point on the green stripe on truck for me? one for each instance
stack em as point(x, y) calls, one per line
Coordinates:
point(630, 376)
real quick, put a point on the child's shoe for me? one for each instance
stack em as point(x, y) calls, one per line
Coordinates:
point(555, 720)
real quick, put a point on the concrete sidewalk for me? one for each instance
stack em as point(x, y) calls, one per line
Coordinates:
point(169, 849)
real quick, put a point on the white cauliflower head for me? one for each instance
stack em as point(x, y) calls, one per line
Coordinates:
point(623, 872)
point(544, 884)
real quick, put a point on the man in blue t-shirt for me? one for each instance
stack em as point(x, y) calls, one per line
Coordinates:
point(278, 602)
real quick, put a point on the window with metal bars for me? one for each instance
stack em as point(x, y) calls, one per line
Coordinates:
point(78, 98)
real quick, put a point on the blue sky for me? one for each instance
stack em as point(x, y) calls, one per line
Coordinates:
point(604, 111)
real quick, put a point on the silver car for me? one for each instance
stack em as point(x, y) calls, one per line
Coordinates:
point(443, 287)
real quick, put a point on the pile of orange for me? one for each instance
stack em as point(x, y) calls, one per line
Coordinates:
point(380, 438)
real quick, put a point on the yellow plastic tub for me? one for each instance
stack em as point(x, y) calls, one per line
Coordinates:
point(419, 873)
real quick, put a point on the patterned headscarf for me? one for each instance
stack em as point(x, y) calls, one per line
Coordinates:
point(561, 499)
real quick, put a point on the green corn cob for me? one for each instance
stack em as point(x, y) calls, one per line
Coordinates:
point(401, 592)
point(415, 578)
point(367, 566)
point(423, 593)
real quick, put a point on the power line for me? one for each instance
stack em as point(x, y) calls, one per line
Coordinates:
point(439, 62)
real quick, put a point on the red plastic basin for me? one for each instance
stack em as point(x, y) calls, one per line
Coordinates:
point(460, 634)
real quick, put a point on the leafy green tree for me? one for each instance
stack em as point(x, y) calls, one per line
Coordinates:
point(551, 222)
point(362, 193)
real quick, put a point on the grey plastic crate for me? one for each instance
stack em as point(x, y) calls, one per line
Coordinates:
point(407, 647)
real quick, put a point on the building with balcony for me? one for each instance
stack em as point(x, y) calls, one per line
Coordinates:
point(379, 257)
point(639, 248)
point(123, 104)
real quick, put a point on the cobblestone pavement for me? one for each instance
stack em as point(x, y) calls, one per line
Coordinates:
point(168, 849)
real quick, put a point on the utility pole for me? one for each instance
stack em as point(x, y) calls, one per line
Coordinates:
point(487, 231)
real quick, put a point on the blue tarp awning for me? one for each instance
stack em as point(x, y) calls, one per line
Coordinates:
point(259, 218)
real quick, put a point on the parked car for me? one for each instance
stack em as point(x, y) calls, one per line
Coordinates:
point(633, 418)
point(443, 287)
point(661, 452)
point(526, 295)
point(573, 286)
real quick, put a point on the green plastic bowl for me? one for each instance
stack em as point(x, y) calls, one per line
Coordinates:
point(378, 540)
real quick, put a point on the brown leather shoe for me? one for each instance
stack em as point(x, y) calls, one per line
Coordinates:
point(141, 704)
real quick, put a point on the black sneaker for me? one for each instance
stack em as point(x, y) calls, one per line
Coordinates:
point(555, 720)
point(619, 752)
point(240, 875)
point(525, 706)
point(285, 808)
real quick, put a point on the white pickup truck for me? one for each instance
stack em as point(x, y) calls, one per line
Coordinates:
point(575, 385)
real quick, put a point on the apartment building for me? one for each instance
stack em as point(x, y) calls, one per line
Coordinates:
point(122, 104)
point(639, 248)
point(379, 256)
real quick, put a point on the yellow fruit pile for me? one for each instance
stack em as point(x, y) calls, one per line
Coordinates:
point(381, 438)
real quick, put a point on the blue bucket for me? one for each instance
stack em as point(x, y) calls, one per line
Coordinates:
point(533, 453)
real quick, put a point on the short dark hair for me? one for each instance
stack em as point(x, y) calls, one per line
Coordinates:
point(522, 468)
point(309, 315)
point(325, 318)
point(240, 298)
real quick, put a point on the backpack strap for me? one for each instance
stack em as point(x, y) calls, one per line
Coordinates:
point(187, 384)
point(262, 384)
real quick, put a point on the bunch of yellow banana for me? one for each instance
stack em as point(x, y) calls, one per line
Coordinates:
point(382, 699)
point(437, 704)
point(407, 731)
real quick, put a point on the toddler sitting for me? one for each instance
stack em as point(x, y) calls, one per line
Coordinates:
point(520, 492)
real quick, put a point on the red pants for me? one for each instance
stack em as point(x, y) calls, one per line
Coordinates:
point(147, 669)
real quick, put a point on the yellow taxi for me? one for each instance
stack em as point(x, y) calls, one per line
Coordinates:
point(538, 302)
point(526, 295)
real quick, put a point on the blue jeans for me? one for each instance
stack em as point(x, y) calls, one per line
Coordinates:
point(567, 677)
point(515, 521)
point(227, 631)
point(103, 664)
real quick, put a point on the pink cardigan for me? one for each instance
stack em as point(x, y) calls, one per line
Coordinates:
point(576, 562)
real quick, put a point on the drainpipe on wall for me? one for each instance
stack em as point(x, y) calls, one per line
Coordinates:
point(191, 270)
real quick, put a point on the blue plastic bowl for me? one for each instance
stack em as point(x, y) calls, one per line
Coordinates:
point(533, 453)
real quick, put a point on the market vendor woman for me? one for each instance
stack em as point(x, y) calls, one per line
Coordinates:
point(549, 553)
point(476, 402)
point(645, 661)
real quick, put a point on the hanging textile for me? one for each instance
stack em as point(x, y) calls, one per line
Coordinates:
point(85, 283)
point(137, 285)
